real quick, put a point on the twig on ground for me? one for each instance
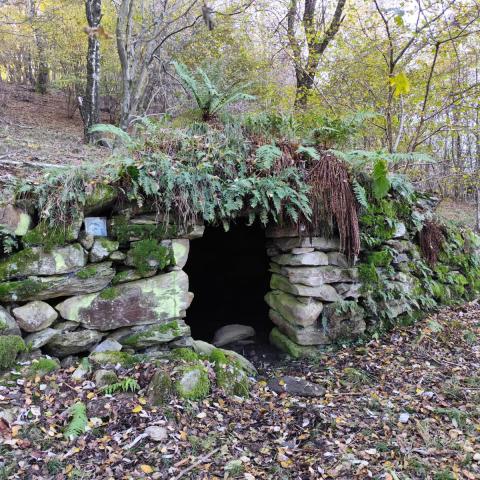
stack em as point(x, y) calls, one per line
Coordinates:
point(198, 462)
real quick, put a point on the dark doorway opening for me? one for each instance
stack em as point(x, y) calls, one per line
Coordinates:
point(228, 274)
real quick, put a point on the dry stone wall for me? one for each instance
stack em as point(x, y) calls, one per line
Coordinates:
point(123, 292)
point(311, 283)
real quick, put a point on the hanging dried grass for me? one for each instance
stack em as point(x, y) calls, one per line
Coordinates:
point(431, 241)
point(334, 204)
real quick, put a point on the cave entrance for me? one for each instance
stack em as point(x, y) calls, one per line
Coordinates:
point(228, 274)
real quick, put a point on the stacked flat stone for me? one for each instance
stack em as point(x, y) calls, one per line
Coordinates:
point(310, 280)
point(87, 294)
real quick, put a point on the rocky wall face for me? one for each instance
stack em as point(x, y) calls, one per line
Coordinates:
point(69, 296)
point(314, 292)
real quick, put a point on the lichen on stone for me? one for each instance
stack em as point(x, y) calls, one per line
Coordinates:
point(113, 358)
point(87, 272)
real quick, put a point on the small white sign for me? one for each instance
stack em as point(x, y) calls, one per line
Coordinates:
point(96, 226)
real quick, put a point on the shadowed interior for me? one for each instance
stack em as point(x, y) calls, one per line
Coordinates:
point(228, 274)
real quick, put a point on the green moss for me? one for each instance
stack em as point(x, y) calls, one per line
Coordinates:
point(229, 374)
point(109, 245)
point(3, 325)
point(49, 236)
point(43, 366)
point(186, 354)
point(110, 293)
point(161, 388)
point(282, 342)
point(193, 382)
point(113, 358)
point(10, 347)
point(100, 197)
point(87, 272)
point(120, 277)
point(368, 275)
point(136, 339)
point(145, 251)
point(11, 291)
point(17, 263)
point(124, 231)
point(383, 258)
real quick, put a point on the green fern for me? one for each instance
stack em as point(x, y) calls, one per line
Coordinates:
point(125, 385)
point(360, 194)
point(210, 100)
point(78, 422)
point(381, 184)
point(124, 137)
point(309, 151)
point(266, 156)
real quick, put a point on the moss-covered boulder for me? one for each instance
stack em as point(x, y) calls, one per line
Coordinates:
point(101, 249)
point(229, 374)
point(52, 236)
point(10, 347)
point(37, 261)
point(192, 382)
point(158, 299)
point(114, 358)
point(143, 337)
point(160, 390)
point(88, 279)
point(100, 197)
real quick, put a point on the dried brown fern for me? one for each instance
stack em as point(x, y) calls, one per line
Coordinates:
point(334, 204)
point(431, 241)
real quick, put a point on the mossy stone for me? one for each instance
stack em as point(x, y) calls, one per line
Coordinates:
point(229, 374)
point(161, 389)
point(193, 382)
point(282, 342)
point(10, 347)
point(113, 358)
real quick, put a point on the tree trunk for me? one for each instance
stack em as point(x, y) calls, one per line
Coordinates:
point(90, 105)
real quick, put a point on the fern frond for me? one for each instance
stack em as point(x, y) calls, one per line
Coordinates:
point(78, 422)
point(125, 385)
point(188, 81)
point(310, 151)
point(360, 194)
point(266, 156)
point(125, 138)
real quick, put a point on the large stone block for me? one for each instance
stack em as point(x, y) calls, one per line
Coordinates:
point(311, 335)
point(70, 343)
point(324, 293)
point(284, 231)
point(181, 248)
point(342, 322)
point(302, 259)
point(34, 316)
point(156, 334)
point(86, 280)
point(300, 311)
point(37, 261)
point(157, 299)
point(315, 276)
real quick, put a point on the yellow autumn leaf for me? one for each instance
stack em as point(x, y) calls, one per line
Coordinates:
point(142, 401)
point(146, 468)
point(90, 395)
point(137, 409)
point(401, 84)
point(68, 468)
point(286, 463)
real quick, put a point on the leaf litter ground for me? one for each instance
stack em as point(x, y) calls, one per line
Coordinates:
point(404, 407)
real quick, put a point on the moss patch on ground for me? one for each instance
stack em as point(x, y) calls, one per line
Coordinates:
point(10, 347)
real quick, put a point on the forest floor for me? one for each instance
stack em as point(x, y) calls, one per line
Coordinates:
point(406, 406)
point(36, 129)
